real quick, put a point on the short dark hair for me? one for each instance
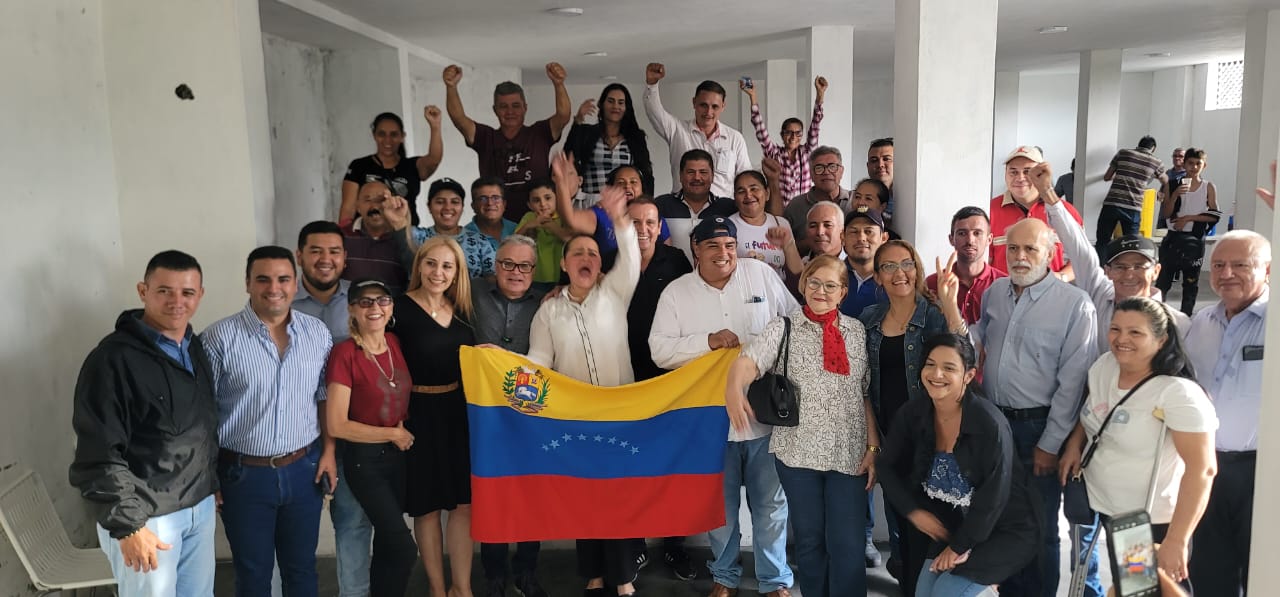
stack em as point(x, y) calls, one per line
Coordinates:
point(1147, 142)
point(488, 181)
point(882, 190)
point(173, 260)
point(1194, 152)
point(537, 183)
point(756, 174)
point(969, 212)
point(508, 88)
point(883, 142)
point(612, 177)
point(1171, 359)
point(961, 344)
point(695, 155)
point(268, 252)
point(317, 227)
point(711, 86)
point(644, 200)
point(791, 121)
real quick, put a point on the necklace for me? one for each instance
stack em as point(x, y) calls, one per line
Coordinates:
point(391, 379)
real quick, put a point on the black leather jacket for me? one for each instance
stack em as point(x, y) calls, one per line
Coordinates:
point(147, 429)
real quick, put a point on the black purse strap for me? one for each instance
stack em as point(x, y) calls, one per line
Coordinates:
point(784, 347)
point(1093, 443)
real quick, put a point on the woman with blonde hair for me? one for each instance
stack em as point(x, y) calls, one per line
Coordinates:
point(434, 321)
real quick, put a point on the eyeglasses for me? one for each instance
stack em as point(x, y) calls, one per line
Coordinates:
point(825, 168)
point(815, 285)
point(792, 133)
point(1131, 267)
point(890, 267)
point(489, 198)
point(510, 265)
point(368, 301)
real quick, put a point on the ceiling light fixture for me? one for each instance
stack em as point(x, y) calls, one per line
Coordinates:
point(1054, 29)
point(1158, 54)
point(610, 77)
point(566, 12)
point(596, 54)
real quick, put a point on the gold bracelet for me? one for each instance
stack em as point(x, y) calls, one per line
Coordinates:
point(873, 449)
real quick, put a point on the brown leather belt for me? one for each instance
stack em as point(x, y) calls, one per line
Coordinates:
point(446, 388)
point(280, 461)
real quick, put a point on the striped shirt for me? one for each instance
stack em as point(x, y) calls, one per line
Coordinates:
point(267, 402)
point(1133, 169)
point(795, 178)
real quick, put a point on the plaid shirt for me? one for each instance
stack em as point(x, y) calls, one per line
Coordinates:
point(603, 161)
point(795, 170)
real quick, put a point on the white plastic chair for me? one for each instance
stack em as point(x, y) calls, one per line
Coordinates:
point(37, 534)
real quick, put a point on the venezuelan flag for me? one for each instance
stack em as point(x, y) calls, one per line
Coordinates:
point(555, 458)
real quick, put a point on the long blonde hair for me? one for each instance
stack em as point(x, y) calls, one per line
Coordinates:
point(459, 293)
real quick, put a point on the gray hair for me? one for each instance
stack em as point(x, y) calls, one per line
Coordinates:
point(1259, 246)
point(522, 240)
point(1047, 237)
point(825, 150)
point(823, 205)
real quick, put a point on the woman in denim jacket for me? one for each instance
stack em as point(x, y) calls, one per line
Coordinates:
point(896, 331)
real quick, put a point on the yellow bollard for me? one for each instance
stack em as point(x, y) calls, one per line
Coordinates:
point(1148, 222)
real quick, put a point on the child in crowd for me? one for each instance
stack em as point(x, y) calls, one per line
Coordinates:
point(544, 226)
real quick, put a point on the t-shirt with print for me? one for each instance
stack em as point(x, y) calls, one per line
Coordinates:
point(378, 397)
point(403, 178)
point(516, 161)
point(753, 241)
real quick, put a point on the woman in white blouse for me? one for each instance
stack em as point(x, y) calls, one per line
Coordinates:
point(1122, 476)
point(827, 462)
point(582, 333)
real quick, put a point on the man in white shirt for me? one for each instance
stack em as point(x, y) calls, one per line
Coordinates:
point(724, 303)
point(704, 132)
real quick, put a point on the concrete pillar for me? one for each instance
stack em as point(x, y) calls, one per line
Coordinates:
point(1173, 92)
point(780, 95)
point(1267, 485)
point(359, 85)
point(1259, 116)
point(942, 160)
point(1005, 130)
point(830, 51)
point(1097, 124)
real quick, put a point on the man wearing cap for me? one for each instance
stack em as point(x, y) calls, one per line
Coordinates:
point(682, 209)
point(377, 241)
point(146, 438)
point(1131, 266)
point(863, 235)
point(724, 303)
point(275, 461)
point(825, 168)
point(323, 294)
point(1039, 335)
point(1129, 173)
point(1022, 200)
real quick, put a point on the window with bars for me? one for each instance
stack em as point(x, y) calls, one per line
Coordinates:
point(1225, 85)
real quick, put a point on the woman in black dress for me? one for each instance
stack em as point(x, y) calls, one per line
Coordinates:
point(433, 321)
point(392, 165)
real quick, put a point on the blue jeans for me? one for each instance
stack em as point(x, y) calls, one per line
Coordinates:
point(1130, 221)
point(185, 569)
point(272, 514)
point(352, 534)
point(1025, 435)
point(947, 584)
point(750, 463)
point(827, 510)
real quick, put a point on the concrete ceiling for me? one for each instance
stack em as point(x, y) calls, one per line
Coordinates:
point(521, 33)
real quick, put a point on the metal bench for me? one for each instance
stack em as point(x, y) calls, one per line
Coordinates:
point(37, 534)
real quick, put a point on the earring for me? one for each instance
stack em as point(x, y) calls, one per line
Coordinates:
point(391, 322)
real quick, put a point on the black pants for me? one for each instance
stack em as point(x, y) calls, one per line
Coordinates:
point(1170, 265)
point(376, 474)
point(1220, 564)
point(672, 545)
point(913, 549)
point(493, 556)
point(611, 559)
point(1130, 221)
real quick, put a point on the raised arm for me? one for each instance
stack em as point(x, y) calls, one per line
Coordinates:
point(757, 121)
point(427, 164)
point(347, 209)
point(1089, 276)
point(564, 109)
point(663, 122)
point(622, 279)
point(565, 175)
point(453, 104)
point(820, 94)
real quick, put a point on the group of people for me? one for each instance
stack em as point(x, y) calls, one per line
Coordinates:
point(971, 394)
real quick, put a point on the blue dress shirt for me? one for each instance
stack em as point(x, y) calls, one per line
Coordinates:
point(334, 314)
point(1227, 357)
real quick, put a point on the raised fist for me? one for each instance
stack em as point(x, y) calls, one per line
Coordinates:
point(654, 72)
point(432, 114)
point(556, 73)
point(452, 74)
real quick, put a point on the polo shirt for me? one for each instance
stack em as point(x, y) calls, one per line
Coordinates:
point(969, 299)
point(502, 321)
point(1005, 212)
point(1133, 169)
point(862, 293)
point(387, 258)
point(681, 219)
point(334, 313)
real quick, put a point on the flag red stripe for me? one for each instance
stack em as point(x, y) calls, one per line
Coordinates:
point(549, 507)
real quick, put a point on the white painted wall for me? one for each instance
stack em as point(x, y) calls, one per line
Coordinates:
point(1217, 132)
point(301, 142)
point(1136, 104)
point(358, 85)
point(1046, 118)
point(872, 119)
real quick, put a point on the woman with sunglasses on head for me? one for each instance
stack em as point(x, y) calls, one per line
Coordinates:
point(826, 462)
point(896, 331)
point(368, 388)
point(615, 140)
point(948, 468)
point(391, 163)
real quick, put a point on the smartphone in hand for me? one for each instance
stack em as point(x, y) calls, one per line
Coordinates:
point(1133, 555)
point(325, 485)
point(748, 83)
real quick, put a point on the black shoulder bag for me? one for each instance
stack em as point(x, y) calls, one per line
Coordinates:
point(1075, 497)
point(773, 396)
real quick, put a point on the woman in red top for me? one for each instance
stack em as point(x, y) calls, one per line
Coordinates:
point(368, 402)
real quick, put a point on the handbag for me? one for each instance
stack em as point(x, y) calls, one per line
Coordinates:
point(1185, 248)
point(1075, 496)
point(773, 396)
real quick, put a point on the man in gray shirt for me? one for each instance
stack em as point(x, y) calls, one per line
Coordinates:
point(1039, 334)
point(505, 307)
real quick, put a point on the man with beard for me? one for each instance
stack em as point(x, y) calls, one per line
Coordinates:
point(694, 201)
point(826, 168)
point(971, 238)
point(377, 241)
point(1039, 334)
point(863, 235)
point(323, 294)
point(724, 303)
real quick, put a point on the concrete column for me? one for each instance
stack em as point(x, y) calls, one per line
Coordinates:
point(831, 56)
point(941, 153)
point(1259, 116)
point(780, 95)
point(1173, 92)
point(1097, 124)
point(1005, 131)
point(1267, 485)
point(358, 85)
